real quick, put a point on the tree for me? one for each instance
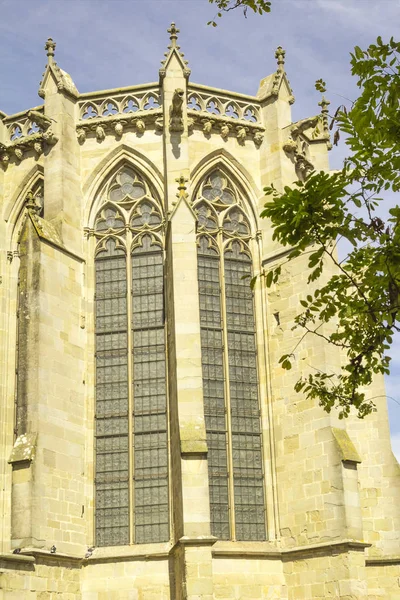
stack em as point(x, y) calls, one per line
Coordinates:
point(362, 298)
point(257, 6)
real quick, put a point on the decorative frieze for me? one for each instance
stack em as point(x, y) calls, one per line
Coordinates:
point(111, 103)
point(223, 104)
point(118, 125)
point(30, 130)
point(225, 127)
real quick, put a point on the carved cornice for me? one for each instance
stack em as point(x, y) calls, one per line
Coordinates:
point(118, 124)
point(226, 126)
point(17, 149)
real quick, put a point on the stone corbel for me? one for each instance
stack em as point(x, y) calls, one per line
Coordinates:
point(258, 138)
point(81, 134)
point(119, 128)
point(140, 125)
point(118, 125)
point(18, 147)
point(176, 111)
point(159, 124)
point(225, 130)
point(241, 133)
point(190, 123)
point(100, 133)
point(207, 125)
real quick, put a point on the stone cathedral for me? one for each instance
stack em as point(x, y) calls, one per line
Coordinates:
point(151, 446)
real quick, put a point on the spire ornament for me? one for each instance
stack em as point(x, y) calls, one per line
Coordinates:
point(280, 57)
point(32, 203)
point(324, 115)
point(182, 187)
point(173, 34)
point(50, 48)
point(174, 48)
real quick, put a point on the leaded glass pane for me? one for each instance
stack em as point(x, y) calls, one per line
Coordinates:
point(245, 418)
point(213, 387)
point(149, 394)
point(236, 223)
point(146, 215)
point(112, 452)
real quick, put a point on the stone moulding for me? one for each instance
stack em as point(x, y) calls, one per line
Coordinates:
point(118, 124)
point(18, 558)
point(269, 550)
point(225, 126)
point(18, 148)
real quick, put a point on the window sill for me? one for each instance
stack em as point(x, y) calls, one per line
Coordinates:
point(228, 548)
point(138, 552)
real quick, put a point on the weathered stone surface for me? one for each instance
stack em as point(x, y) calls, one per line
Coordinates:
point(331, 488)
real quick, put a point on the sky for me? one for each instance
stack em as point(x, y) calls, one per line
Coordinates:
point(115, 43)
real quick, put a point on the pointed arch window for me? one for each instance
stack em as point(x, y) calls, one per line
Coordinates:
point(229, 360)
point(131, 473)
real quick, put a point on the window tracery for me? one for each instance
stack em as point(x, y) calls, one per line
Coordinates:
point(131, 402)
point(229, 360)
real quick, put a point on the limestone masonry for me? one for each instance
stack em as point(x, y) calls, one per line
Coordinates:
point(151, 446)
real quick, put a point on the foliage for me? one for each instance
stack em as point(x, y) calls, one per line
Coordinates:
point(361, 300)
point(257, 6)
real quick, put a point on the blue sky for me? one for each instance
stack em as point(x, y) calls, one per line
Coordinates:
point(114, 43)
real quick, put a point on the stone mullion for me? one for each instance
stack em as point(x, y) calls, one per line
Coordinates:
point(227, 390)
point(268, 439)
point(131, 462)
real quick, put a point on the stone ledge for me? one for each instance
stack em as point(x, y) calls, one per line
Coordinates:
point(382, 561)
point(36, 553)
point(337, 546)
point(269, 550)
point(265, 549)
point(121, 553)
point(21, 558)
point(203, 540)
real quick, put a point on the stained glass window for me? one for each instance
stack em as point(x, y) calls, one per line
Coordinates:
point(229, 360)
point(131, 474)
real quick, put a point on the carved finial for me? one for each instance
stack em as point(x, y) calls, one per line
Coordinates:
point(181, 181)
point(50, 47)
point(324, 114)
point(280, 57)
point(173, 34)
point(324, 105)
point(31, 203)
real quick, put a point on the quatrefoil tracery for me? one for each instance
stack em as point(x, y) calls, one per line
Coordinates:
point(128, 204)
point(218, 206)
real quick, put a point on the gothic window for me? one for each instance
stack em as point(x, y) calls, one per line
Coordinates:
point(131, 473)
point(230, 382)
